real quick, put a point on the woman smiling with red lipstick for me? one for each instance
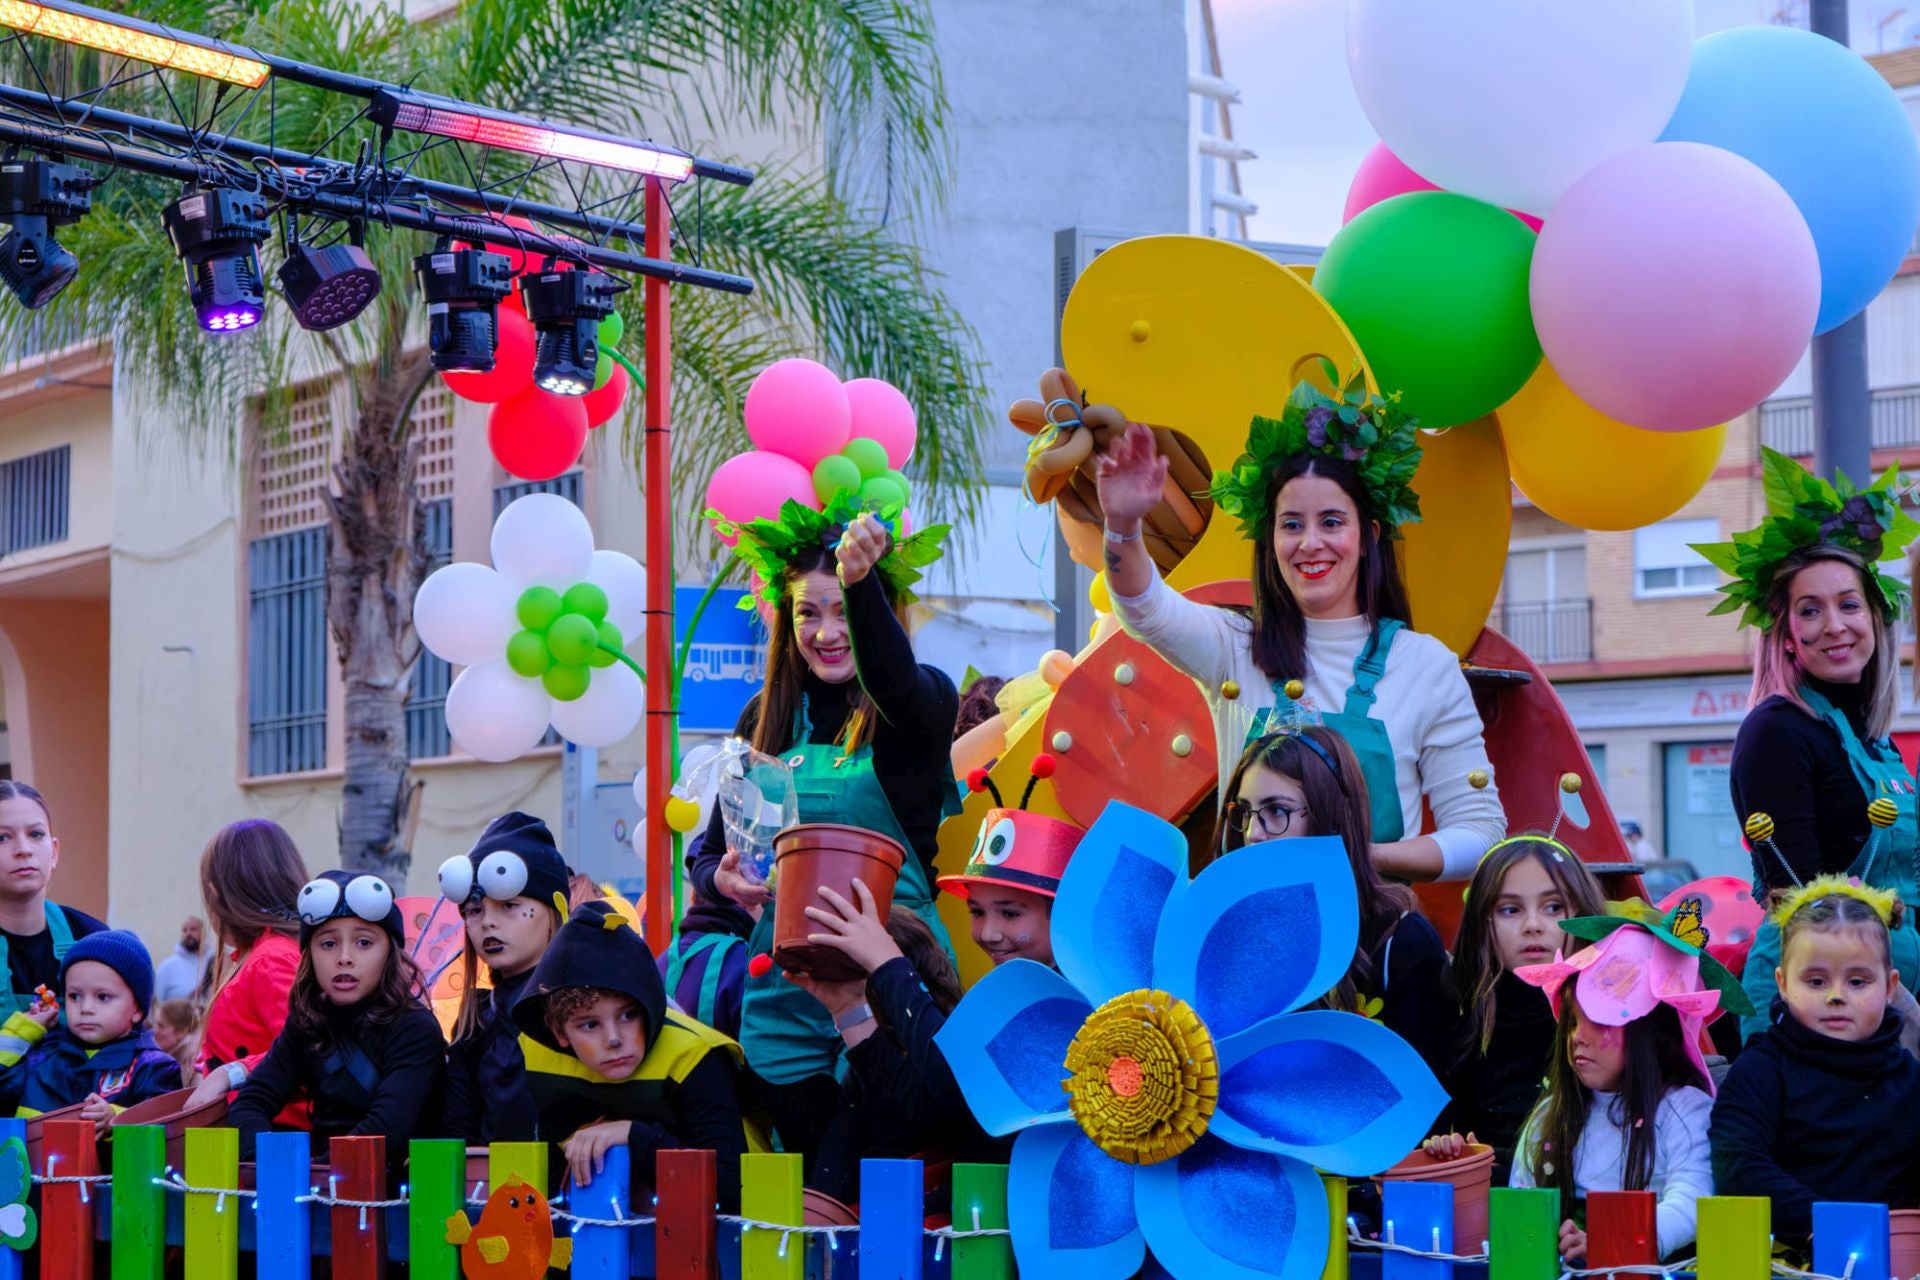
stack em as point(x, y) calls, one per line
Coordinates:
point(1320, 493)
point(867, 732)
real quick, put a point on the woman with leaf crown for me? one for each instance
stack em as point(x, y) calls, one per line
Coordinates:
point(1817, 783)
point(866, 730)
point(1320, 493)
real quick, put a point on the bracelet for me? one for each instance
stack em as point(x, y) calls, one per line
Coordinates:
point(1123, 537)
point(236, 1075)
point(844, 1022)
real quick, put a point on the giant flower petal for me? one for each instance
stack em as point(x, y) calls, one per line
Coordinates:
point(1260, 932)
point(1006, 1042)
point(1231, 1214)
point(1070, 1208)
point(1336, 1090)
point(1108, 910)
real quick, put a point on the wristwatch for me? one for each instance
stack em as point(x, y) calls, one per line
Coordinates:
point(851, 1018)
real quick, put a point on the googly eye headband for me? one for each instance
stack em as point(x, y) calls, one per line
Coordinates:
point(502, 875)
point(340, 895)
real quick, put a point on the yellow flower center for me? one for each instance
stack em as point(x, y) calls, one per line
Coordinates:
point(1144, 1078)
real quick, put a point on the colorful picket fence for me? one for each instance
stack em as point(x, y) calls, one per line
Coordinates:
point(199, 1221)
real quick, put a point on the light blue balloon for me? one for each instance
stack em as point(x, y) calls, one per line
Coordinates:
point(1827, 127)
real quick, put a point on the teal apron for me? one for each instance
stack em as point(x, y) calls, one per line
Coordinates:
point(1367, 736)
point(787, 1034)
point(1885, 863)
point(18, 1001)
point(680, 958)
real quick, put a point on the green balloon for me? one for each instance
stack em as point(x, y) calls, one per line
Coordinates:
point(906, 486)
point(612, 329)
point(834, 473)
point(869, 455)
point(610, 644)
point(566, 683)
point(537, 608)
point(588, 600)
point(572, 640)
point(527, 653)
point(883, 492)
point(1434, 287)
point(602, 369)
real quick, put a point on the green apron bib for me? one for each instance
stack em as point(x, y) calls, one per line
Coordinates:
point(1367, 736)
point(17, 1001)
point(1885, 863)
point(718, 944)
point(787, 1034)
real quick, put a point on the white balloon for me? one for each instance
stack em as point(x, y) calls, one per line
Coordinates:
point(496, 715)
point(640, 788)
point(608, 711)
point(464, 613)
point(1510, 101)
point(624, 579)
point(542, 540)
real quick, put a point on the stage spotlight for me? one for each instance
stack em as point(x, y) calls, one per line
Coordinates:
point(218, 234)
point(35, 197)
point(566, 308)
point(463, 289)
point(328, 287)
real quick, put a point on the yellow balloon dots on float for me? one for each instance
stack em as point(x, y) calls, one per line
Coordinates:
point(1587, 470)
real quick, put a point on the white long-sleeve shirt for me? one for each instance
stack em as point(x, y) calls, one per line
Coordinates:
point(1682, 1159)
point(1422, 698)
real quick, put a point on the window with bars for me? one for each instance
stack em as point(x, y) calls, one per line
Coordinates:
point(570, 486)
point(287, 652)
point(432, 427)
point(34, 493)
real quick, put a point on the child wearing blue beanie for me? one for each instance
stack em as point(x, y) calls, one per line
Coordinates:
point(103, 1055)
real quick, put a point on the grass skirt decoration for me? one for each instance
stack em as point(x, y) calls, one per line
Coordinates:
point(1167, 1095)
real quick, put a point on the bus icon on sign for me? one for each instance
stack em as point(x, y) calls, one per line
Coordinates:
point(743, 662)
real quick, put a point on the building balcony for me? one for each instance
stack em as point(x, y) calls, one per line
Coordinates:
point(1548, 630)
point(1786, 424)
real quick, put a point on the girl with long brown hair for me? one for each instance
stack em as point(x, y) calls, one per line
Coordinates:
point(250, 875)
point(1306, 782)
point(867, 733)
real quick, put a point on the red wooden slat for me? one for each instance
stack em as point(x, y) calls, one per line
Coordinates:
point(683, 1221)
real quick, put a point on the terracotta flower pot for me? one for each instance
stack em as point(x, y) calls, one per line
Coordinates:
point(813, 854)
point(1904, 1246)
point(818, 1209)
point(1471, 1174)
point(37, 1133)
point(171, 1110)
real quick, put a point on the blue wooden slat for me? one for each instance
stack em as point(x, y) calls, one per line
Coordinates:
point(284, 1226)
point(604, 1253)
point(892, 1207)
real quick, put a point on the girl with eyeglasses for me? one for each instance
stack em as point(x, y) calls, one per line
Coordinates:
point(360, 1042)
point(1306, 782)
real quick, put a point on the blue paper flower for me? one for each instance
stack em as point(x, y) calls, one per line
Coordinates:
point(1165, 1092)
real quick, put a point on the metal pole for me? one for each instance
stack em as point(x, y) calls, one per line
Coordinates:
point(658, 479)
point(1842, 406)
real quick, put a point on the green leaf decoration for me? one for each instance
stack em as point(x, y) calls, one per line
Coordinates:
point(1804, 511)
point(768, 546)
point(1385, 438)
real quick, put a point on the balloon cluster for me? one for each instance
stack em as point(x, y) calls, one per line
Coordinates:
point(534, 434)
point(541, 634)
point(816, 437)
point(1702, 209)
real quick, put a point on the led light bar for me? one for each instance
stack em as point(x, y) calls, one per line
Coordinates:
point(130, 39)
point(416, 113)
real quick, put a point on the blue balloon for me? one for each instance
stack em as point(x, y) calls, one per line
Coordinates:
point(1827, 127)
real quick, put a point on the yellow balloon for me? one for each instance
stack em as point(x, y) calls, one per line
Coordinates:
point(682, 815)
point(1587, 470)
point(1452, 559)
point(1098, 596)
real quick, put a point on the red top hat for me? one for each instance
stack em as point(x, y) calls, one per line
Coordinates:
point(1017, 850)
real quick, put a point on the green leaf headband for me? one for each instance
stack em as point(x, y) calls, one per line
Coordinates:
point(1805, 511)
point(769, 546)
point(1373, 434)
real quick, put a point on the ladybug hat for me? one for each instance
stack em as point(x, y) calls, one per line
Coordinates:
point(1016, 849)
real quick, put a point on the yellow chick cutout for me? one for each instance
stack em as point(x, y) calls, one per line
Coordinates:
point(1199, 335)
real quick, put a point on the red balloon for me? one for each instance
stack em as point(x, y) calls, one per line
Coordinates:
point(512, 372)
point(536, 436)
point(604, 404)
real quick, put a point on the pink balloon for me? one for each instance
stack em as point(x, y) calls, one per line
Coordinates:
point(753, 486)
point(1384, 175)
point(1675, 286)
point(881, 411)
point(798, 408)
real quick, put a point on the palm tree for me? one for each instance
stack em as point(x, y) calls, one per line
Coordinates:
point(834, 280)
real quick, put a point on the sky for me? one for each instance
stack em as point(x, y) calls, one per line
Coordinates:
point(1299, 113)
